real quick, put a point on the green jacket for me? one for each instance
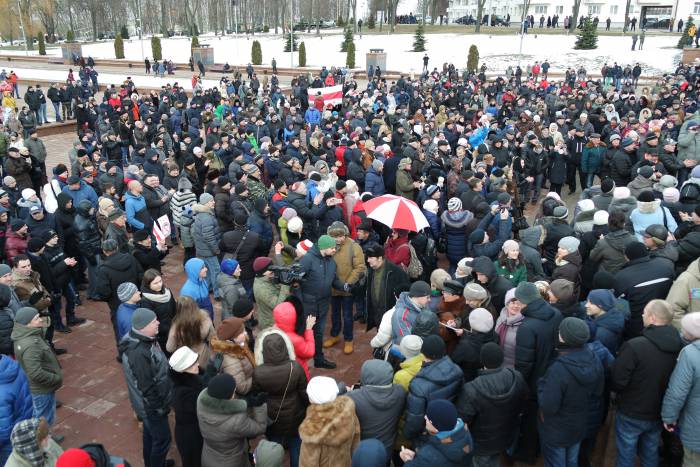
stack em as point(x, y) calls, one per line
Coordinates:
point(404, 184)
point(267, 296)
point(516, 277)
point(4, 143)
point(36, 359)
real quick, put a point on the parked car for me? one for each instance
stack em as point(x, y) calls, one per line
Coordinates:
point(467, 20)
point(656, 22)
point(328, 24)
point(496, 20)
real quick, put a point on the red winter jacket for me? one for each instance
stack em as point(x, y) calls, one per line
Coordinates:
point(397, 251)
point(14, 245)
point(285, 316)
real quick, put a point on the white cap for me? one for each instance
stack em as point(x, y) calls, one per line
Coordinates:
point(321, 390)
point(182, 359)
point(295, 224)
point(600, 218)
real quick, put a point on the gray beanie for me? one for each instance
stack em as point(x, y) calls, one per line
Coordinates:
point(205, 198)
point(569, 244)
point(377, 164)
point(126, 290)
point(25, 314)
point(141, 318)
point(4, 269)
point(527, 292)
point(574, 332)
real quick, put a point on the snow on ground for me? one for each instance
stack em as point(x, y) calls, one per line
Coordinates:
point(498, 51)
point(26, 75)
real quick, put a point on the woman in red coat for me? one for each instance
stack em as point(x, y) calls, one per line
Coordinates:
point(396, 248)
point(288, 316)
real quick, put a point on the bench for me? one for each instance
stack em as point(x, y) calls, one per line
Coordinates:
point(56, 61)
point(218, 68)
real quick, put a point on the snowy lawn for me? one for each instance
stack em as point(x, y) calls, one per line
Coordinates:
point(497, 51)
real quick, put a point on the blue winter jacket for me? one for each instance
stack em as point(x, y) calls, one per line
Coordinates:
point(563, 395)
point(133, 205)
point(312, 116)
point(434, 222)
point(84, 192)
point(124, 314)
point(405, 314)
point(15, 399)
point(196, 288)
point(608, 328)
point(452, 448)
point(374, 182)
point(454, 226)
point(440, 379)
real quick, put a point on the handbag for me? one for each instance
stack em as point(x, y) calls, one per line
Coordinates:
point(284, 395)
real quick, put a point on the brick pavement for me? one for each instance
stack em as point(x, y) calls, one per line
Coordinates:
point(96, 407)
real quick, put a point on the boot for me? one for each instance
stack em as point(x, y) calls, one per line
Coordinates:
point(75, 321)
point(347, 348)
point(331, 341)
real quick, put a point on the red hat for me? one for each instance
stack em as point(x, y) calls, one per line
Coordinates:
point(261, 264)
point(75, 458)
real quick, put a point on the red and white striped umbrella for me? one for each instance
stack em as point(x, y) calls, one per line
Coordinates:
point(396, 212)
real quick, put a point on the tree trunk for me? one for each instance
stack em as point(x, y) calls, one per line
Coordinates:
point(70, 16)
point(627, 16)
point(479, 13)
point(163, 19)
point(574, 16)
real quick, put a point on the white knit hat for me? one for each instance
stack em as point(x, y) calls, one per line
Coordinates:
point(28, 193)
point(600, 218)
point(621, 192)
point(295, 224)
point(454, 204)
point(586, 205)
point(321, 390)
point(410, 345)
point(431, 205)
point(481, 320)
point(510, 245)
point(182, 359)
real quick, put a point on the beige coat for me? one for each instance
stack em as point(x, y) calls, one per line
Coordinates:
point(329, 434)
point(238, 362)
point(684, 295)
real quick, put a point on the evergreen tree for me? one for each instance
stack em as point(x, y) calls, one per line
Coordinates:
point(70, 36)
point(42, 44)
point(473, 59)
point(685, 38)
point(256, 53)
point(119, 46)
point(587, 38)
point(350, 59)
point(347, 39)
point(124, 32)
point(370, 22)
point(419, 39)
point(287, 47)
point(302, 54)
point(156, 50)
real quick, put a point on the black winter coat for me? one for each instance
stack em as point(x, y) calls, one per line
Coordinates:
point(497, 284)
point(467, 353)
point(642, 370)
point(688, 244)
point(164, 309)
point(248, 251)
point(621, 167)
point(148, 257)
point(113, 271)
point(555, 231)
point(491, 405)
point(186, 389)
point(7, 322)
point(394, 282)
point(535, 342)
point(86, 232)
point(563, 395)
point(640, 281)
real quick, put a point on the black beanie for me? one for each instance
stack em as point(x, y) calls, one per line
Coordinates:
point(222, 386)
point(34, 245)
point(433, 347)
point(242, 308)
point(491, 356)
point(635, 250)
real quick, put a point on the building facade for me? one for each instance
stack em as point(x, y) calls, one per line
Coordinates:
point(657, 12)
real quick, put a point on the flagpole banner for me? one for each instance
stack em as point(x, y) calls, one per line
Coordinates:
point(331, 95)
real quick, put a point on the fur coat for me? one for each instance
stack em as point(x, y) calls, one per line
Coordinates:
point(238, 362)
point(329, 434)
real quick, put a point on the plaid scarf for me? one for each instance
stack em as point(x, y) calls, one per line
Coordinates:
point(25, 443)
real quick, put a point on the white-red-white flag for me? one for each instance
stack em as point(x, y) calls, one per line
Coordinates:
point(332, 95)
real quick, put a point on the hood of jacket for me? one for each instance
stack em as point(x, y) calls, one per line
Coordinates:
point(192, 269)
point(20, 332)
point(425, 324)
point(665, 338)
point(376, 373)
point(273, 346)
point(539, 309)
point(285, 316)
point(64, 198)
point(441, 372)
point(574, 258)
point(619, 239)
point(648, 207)
point(485, 266)
point(612, 320)
point(84, 207)
point(456, 219)
point(200, 208)
point(329, 424)
point(120, 262)
point(532, 236)
point(453, 444)
point(491, 384)
point(582, 364)
point(9, 369)
point(5, 297)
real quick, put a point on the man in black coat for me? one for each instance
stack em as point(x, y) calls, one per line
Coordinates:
point(484, 273)
point(534, 349)
point(556, 229)
point(385, 281)
point(641, 280)
point(574, 378)
point(115, 269)
point(688, 235)
point(491, 405)
point(146, 254)
point(622, 162)
point(639, 376)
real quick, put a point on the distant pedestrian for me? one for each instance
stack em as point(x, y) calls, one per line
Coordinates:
point(641, 39)
point(425, 63)
point(147, 63)
point(634, 41)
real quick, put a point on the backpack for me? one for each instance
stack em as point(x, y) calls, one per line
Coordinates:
point(415, 267)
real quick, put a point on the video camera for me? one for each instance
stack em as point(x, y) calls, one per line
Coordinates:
point(288, 274)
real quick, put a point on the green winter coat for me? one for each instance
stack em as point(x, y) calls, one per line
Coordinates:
point(404, 182)
point(267, 296)
point(516, 277)
point(36, 359)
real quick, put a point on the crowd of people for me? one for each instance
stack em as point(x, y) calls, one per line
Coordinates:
point(493, 334)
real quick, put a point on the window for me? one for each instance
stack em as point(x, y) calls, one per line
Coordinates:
point(541, 9)
point(696, 8)
point(613, 9)
point(593, 9)
point(560, 10)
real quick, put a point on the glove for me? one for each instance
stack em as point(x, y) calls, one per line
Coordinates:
point(35, 297)
point(346, 287)
point(256, 400)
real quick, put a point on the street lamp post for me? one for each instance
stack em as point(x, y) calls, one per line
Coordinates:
point(291, 33)
point(138, 5)
point(21, 25)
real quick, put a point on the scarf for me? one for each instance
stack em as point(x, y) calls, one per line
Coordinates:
point(162, 297)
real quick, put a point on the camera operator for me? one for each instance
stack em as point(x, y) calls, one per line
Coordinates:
point(320, 277)
point(268, 292)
